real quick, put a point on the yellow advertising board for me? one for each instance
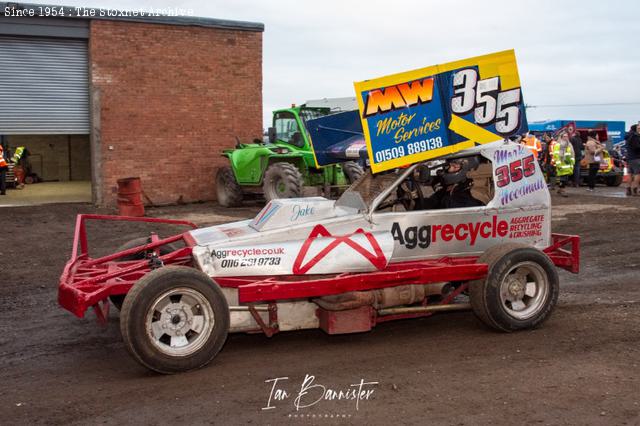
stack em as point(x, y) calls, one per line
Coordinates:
point(417, 115)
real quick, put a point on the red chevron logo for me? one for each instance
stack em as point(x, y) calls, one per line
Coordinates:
point(377, 258)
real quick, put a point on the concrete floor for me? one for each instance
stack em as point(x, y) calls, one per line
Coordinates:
point(47, 193)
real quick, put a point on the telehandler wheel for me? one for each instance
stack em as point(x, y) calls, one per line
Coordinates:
point(282, 180)
point(229, 192)
point(174, 319)
point(118, 299)
point(520, 289)
point(352, 170)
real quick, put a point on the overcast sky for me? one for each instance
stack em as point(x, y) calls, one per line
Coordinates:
point(568, 52)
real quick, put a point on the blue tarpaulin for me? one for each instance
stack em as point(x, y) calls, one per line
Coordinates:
point(615, 129)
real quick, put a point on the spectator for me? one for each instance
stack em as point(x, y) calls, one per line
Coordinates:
point(544, 145)
point(593, 156)
point(548, 165)
point(533, 143)
point(576, 143)
point(564, 161)
point(633, 159)
point(4, 166)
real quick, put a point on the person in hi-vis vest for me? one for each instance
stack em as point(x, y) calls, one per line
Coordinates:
point(533, 143)
point(564, 160)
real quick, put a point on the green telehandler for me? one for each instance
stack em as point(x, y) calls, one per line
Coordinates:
point(284, 167)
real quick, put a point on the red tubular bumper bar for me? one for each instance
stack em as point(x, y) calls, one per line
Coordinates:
point(85, 282)
point(566, 259)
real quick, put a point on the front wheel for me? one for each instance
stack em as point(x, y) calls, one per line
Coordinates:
point(520, 290)
point(174, 319)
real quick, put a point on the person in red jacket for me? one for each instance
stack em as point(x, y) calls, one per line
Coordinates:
point(4, 166)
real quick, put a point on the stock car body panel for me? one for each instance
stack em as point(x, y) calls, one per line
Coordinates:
point(316, 237)
point(306, 235)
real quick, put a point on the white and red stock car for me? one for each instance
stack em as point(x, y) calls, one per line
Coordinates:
point(343, 266)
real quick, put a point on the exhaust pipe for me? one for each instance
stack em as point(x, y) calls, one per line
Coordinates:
point(382, 298)
point(425, 309)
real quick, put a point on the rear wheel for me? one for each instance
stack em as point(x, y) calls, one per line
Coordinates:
point(282, 180)
point(353, 171)
point(118, 299)
point(174, 319)
point(519, 291)
point(228, 191)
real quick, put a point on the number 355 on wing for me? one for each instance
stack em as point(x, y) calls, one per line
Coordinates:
point(417, 115)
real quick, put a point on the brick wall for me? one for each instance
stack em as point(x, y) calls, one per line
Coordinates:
point(171, 98)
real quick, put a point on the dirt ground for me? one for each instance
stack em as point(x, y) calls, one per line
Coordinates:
point(580, 367)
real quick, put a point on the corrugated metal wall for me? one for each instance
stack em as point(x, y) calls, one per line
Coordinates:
point(44, 86)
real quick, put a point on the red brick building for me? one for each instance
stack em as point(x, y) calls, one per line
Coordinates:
point(164, 96)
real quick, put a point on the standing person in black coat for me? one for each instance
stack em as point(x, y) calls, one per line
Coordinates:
point(633, 159)
point(576, 142)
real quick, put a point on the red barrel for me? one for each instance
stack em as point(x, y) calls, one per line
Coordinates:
point(130, 197)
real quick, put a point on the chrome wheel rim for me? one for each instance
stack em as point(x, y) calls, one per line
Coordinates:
point(524, 290)
point(180, 322)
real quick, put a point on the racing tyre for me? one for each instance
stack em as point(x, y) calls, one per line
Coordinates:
point(282, 180)
point(229, 193)
point(118, 299)
point(613, 180)
point(353, 171)
point(519, 291)
point(174, 319)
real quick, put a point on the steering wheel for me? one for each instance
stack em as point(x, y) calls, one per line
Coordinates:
point(407, 196)
point(437, 183)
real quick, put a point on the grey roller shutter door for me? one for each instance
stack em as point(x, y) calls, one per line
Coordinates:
point(44, 86)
